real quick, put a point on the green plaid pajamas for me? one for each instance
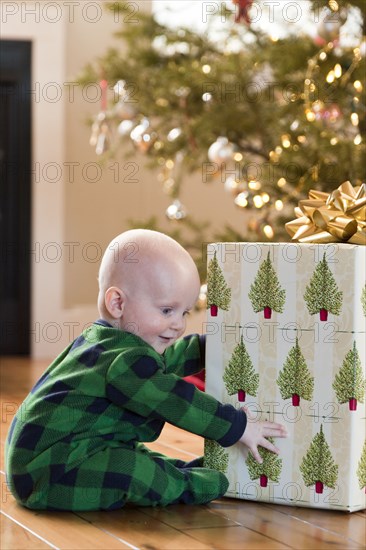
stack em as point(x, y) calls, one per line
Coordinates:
point(76, 441)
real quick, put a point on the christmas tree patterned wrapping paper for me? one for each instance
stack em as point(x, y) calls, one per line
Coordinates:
point(291, 347)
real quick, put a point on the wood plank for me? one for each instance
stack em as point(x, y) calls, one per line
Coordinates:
point(64, 530)
point(184, 517)
point(351, 527)
point(283, 527)
point(171, 451)
point(14, 537)
point(143, 531)
point(23, 370)
point(190, 444)
point(235, 538)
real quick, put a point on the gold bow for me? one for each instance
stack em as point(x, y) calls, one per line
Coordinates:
point(331, 217)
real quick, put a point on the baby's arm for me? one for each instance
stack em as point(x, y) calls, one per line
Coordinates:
point(256, 434)
point(186, 356)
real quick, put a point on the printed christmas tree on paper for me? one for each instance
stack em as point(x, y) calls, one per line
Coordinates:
point(322, 294)
point(349, 383)
point(318, 467)
point(265, 292)
point(215, 456)
point(295, 380)
point(218, 293)
point(269, 469)
point(239, 375)
point(361, 469)
point(363, 300)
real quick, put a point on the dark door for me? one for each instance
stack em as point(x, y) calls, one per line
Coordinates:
point(15, 196)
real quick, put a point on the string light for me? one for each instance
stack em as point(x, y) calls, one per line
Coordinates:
point(310, 115)
point(286, 142)
point(254, 185)
point(278, 205)
point(358, 139)
point(281, 182)
point(241, 200)
point(258, 201)
point(330, 77)
point(268, 231)
point(337, 70)
point(273, 156)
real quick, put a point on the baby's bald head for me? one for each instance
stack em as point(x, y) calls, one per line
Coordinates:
point(136, 259)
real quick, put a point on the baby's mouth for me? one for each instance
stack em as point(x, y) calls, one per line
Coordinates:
point(166, 339)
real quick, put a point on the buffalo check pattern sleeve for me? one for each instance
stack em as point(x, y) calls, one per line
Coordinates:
point(186, 356)
point(138, 382)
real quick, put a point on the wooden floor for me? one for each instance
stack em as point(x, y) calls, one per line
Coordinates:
point(225, 524)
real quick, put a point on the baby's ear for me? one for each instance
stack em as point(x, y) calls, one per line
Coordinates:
point(114, 301)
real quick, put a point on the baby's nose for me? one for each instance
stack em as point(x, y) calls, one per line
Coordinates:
point(178, 322)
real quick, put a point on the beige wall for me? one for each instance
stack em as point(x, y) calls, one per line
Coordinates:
point(73, 219)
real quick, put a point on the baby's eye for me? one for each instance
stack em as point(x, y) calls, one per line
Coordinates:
point(166, 310)
point(186, 312)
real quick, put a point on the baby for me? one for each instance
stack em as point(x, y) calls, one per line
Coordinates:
point(76, 442)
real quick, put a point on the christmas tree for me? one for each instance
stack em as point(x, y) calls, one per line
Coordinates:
point(318, 467)
point(215, 456)
point(239, 376)
point(322, 294)
point(265, 292)
point(269, 469)
point(295, 379)
point(218, 293)
point(361, 469)
point(349, 383)
point(266, 117)
point(363, 300)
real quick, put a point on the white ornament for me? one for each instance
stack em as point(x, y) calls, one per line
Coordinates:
point(222, 150)
point(176, 211)
point(125, 127)
point(142, 136)
point(124, 110)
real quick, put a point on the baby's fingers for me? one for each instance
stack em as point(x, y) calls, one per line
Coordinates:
point(271, 429)
point(269, 446)
point(256, 455)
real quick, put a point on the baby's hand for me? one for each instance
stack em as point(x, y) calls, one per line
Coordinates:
point(256, 433)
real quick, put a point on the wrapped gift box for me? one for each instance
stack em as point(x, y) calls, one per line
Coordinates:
point(286, 332)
